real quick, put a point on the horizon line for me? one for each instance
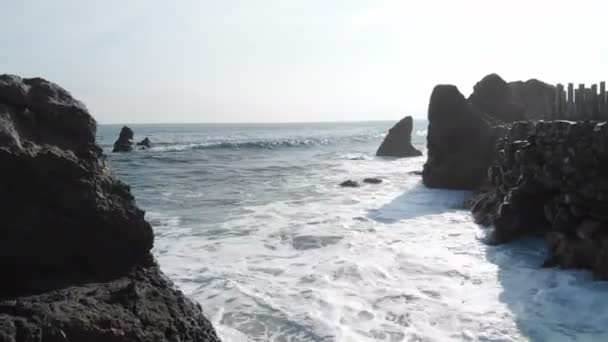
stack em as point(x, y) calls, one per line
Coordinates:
point(250, 123)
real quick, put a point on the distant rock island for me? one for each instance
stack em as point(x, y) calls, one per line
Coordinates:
point(533, 173)
point(398, 141)
point(75, 249)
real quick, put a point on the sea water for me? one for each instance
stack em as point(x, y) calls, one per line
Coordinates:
point(250, 221)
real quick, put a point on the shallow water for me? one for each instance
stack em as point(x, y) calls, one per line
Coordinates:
point(250, 222)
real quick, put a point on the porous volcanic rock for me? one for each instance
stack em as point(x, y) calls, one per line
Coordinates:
point(74, 247)
point(551, 179)
point(398, 141)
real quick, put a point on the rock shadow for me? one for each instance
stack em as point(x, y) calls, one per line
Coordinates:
point(549, 304)
point(417, 202)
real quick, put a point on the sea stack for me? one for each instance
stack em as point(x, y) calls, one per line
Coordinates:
point(124, 143)
point(398, 141)
point(459, 142)
point(74, 247)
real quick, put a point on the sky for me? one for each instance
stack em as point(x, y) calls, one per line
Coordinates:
point(154, 61)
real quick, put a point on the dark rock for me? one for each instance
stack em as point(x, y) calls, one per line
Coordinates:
point(372, 180)
point(398, 141)
point(146, 143)
point(545, 180)
point(350, 184)
point(71, 232)
point(124, 143)
point(492, 96)
point(535, 97)
point(140, 306)
point(415, 173)
point(514, 101)
point(459, 142)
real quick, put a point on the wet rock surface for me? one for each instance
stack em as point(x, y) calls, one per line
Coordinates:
point(72, 235)
point(372, 180)
point(124, 143)
point(349, 184)
point(398, 141)
point(551, 179)
point(146, 143)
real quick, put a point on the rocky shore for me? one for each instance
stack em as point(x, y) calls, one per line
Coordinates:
point(74, 247)
point(550, 179)
point(531, 177)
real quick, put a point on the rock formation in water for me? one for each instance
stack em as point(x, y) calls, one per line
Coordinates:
point(146, 143)
point(124, 143)
point(372, 180)
point(398, 141)
point(459, 142)
point(514, 101)
point(551, 179)
point(74, 248)
point(349, 184)
point(462, 132)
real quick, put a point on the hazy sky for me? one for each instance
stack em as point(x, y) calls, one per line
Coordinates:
point(289, 60)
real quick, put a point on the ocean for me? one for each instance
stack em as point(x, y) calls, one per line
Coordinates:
point(250, 222)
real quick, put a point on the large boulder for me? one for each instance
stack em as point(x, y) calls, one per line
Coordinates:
point(459, 142)
point(124, 143)
point(513, 101)
point(536, 97)
point(398, 141)
point(67, 222)
point(492, 96)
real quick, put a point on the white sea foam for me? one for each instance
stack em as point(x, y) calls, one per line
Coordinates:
point(388, 262)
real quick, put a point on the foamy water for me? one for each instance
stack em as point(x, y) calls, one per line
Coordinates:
point(274, 250)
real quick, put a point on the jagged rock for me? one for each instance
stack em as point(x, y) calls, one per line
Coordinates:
point(146, 143)
point(71, 232)
point(349, 184)
point(548, 178)
point(124, 143)
point(398, 141)
point(372, 180)
point(140, 306)
point(459, 142)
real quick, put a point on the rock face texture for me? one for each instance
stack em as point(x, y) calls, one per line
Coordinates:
point(74, 247)
point(459, 142)
point(514, 101)
point(124, 143)
point(551, 178)
point(398, 141)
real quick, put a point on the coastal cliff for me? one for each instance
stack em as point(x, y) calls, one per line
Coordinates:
point(530, 177)
point(74, 247)
point(551, 179)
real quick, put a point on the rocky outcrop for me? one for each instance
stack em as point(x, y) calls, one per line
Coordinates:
point(459, 142)
point(398, 141)
point(146, 143)
point(514, 101)
point(551, 179)
point(74, 247)
point(124, 143)
point(349, 184)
